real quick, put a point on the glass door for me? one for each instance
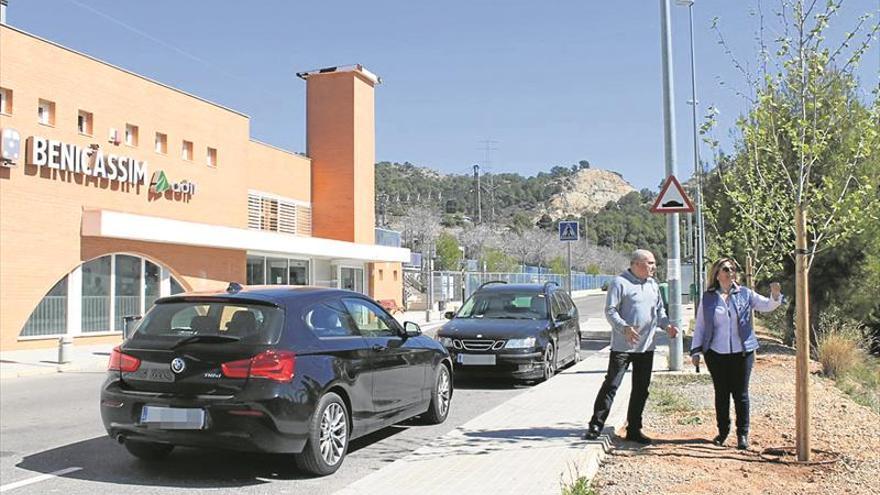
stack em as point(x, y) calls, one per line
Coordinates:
point(351, 279)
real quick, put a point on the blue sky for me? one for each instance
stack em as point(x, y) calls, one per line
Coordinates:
point(550, 82)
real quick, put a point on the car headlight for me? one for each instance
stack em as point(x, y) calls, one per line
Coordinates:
point(445, 341)
point(525, 343)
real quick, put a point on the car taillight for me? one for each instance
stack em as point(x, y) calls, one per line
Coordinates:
point(278, 366)
point(120, 361)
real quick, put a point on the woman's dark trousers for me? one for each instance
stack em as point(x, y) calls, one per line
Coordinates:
point(730, 376)
point(642, 363)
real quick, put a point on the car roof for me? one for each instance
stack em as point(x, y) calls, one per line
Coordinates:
point(516, 288)
point(275, 294)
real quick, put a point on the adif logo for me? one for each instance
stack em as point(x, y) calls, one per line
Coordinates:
point(10, 144)
point(160, 183)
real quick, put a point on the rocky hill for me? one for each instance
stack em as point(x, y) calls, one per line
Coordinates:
point(587, 191)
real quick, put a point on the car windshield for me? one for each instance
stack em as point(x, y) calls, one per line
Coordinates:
point(505, 305)
point(211, 322)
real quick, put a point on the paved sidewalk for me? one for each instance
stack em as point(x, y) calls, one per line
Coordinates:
point(83, 358)
point(531, 444)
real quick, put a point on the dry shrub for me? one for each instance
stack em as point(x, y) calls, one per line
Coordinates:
point(840, 344)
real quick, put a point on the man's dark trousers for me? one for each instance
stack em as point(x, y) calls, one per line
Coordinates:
point(643, 363)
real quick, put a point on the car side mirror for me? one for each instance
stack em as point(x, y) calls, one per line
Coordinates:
point(412, 329)
point(449, 315)
point(563, 317)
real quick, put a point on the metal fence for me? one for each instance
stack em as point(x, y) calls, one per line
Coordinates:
point(458, 286)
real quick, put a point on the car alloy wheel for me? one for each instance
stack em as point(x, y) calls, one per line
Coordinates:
point(334, 433)
point(328, 437)
point(444, 391)
point(549, 361)
point(441, 397)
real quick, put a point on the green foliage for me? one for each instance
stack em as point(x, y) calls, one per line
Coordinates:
point(628, 224)
point(810, 139)
point(593, 269)
point(581, 486)
point(399, 186)
point(448, 254)
point(557, 265)
point(497, 261)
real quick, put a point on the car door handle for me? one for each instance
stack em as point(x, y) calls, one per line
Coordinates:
point(378, 347)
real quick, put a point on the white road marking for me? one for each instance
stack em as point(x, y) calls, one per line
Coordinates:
point(37, 479)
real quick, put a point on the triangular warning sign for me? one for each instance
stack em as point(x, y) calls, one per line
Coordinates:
point(672, 199)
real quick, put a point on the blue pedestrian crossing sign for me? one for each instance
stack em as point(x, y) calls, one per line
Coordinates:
point(569, 231)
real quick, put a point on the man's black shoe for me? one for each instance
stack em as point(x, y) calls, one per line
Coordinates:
point(742, 442)
point(636, 436)
point(719, 439)
point(592, 432)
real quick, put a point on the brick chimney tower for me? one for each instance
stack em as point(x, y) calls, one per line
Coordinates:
point(341, 141)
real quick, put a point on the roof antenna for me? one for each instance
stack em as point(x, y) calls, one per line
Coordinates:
point(233, 287)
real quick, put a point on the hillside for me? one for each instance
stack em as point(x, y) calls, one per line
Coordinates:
point(561, 192)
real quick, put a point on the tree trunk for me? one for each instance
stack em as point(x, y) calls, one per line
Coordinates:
point(802, 333)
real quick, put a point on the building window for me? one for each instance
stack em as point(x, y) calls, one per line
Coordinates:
point(96, 295)
point(84, 122)
point(186, 150)
point(381, 275)
point(276, 271)
point(6, 101)
point(211, 157)
point(161, 143)
point(112, 287)
point(50, 316)
point(395, 275)
point(131, 135)
point(46, 112)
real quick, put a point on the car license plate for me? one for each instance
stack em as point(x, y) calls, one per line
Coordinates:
point(173, 418)
point(476, 359)
point(151, 373)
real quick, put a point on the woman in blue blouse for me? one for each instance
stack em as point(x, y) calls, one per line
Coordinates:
point(725, 335)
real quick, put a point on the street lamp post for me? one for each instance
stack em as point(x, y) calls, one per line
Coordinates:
point(699, 237)
point(673, 239)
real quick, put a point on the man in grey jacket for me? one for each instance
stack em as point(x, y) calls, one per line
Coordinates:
point(635, 311)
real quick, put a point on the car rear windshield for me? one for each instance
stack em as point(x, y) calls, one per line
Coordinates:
point(509, 305)
point(212, 322)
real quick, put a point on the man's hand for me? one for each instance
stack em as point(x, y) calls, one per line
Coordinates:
point(632, 335)
point(696, 360)
point(775, 291)
point(672, 330)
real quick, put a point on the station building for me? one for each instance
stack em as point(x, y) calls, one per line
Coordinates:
point(116, 189)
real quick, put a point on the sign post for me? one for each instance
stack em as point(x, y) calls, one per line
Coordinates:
point(673, 200)
point(569, 231)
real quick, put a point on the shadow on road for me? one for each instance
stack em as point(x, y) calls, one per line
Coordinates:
point(103, 460)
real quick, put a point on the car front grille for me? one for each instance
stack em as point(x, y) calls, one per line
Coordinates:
point(482, 345)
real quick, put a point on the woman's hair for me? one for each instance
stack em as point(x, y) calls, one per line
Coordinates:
point(712, 284)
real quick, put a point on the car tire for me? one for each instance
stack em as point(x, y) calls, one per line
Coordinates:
point(549, 362)
point(148, 451)
point(328, 437)
point(441, 397)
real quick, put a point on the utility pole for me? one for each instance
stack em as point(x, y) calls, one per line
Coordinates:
point(478, 203)
point(673, 263)
point(699, 232)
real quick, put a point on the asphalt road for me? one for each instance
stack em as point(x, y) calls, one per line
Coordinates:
point(51, 424)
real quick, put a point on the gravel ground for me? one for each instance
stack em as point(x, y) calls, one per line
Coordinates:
point(683, 459)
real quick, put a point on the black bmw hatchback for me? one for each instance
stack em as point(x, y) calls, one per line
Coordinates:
point(271, 369)
point(523, 331)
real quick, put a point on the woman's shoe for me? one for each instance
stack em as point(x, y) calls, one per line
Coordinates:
point(742, 442)
point(719, 439)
